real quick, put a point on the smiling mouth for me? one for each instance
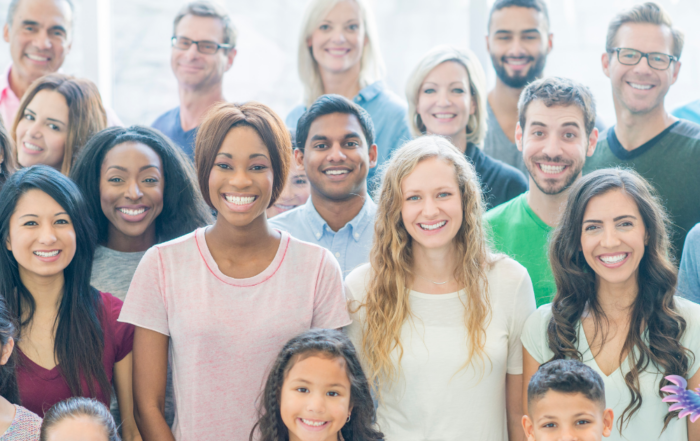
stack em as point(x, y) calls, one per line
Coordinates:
point(32, 147)
point(614, 258)
point(285, 207)
point(551, 169)
point(435, 226)
point(517, 61)
point(444, 115)
point(131, 212)
point(338, 51)
point(47, 253)
point(640, 86)
point(37, 57)
point(336, 172)
point(313, 423)
point(240, 200)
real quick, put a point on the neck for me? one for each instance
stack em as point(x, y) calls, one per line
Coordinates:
point(118, 241)
point(547, 207)
point(346, 83)
point(635, 129)
point(337, 213)
point(195, 102)
point(435, 264)
point(459, 140)
point(18, 84)
point(504, 98)
point(243, 239)
point(616, 299)
point(46, 291)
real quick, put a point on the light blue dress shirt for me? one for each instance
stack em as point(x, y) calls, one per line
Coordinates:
point(690, 112)
point(350, 245)
point(388, 114)
point(689, 272)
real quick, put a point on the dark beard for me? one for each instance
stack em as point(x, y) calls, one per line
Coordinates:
point(550, 190)
point(518, 82)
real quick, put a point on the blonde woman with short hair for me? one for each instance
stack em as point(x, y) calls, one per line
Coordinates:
point(436, 314)
point(446, 96)
point(339, 53)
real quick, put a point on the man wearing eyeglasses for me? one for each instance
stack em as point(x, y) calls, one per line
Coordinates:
point(642, 61)
point(203, 49)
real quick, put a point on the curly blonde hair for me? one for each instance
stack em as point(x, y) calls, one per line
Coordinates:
point(387, 303)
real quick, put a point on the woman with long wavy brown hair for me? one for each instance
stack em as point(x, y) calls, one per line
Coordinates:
point(436, 314)
point(615, 308)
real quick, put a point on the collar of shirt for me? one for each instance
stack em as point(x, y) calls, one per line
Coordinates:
point(370, 92)
point(358, 224)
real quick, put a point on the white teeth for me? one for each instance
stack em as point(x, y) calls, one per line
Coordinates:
point(37, 58)
point(338, 51)
point(285, 207)
point(614, 259)
point(132, 212)
point(238, 200)
point(444, 115)
point(44, 254)
point(552, 169)
point(313, 423)
point(433, 226)
point(336, 172)
point(640, 86)
point(32, 147)
point(517, 62)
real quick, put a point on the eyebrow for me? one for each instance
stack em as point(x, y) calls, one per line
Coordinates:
point(258, 155)
point(34, 215)
point(571, 124)
point(119, 167)
point(525, 31)
point(228, 155)
point(624, 216)
point(301, 380)
point(27, 109)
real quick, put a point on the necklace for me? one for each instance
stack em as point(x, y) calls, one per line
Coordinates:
point(437, 283)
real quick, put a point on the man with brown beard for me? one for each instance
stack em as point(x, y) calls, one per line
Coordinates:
point(555, 133)
point(518, 41)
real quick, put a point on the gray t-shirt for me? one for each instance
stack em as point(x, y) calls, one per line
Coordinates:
point(112, 271)
point(498, 146)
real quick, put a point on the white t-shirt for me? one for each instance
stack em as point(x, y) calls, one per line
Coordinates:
point(225, 333)
point(648, 421)
point(436, 396)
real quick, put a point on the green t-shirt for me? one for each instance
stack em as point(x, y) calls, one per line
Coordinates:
point(518, 232)
point(671, 163)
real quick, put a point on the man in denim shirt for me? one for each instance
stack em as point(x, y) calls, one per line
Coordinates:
point(335, 144)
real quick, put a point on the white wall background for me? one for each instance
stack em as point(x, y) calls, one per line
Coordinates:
point(142, 85)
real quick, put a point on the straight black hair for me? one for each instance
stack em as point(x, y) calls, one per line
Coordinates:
point(566, 376)
point(184, 210)
point(79, 340)
point(537, 5)
point(326, 343)
point(8, 380)
point(327, 104)
point(8, 164)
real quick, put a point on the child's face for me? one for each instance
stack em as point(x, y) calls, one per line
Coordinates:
point(315, 399)
point(559, 416)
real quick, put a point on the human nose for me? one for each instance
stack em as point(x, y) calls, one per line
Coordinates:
point(240, 179)
point(316, 403)
point(552, 147)
point(47, 234)
point(338, 35)
point(336, 154)
point(610, 238)
point(42, 41)
point(134, 192)
point(430, 208)
point(34, 130)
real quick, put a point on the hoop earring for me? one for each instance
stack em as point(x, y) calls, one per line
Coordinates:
point(348, 420)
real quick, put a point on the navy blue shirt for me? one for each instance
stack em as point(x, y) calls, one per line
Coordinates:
point(500, 182)
point(169, 124)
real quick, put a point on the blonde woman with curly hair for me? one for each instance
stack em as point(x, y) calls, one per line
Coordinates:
point(436, 314)
point(339, 54)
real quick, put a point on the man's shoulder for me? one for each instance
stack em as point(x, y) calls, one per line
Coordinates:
point(165, 121)
point(504, 212)
point(689, 130)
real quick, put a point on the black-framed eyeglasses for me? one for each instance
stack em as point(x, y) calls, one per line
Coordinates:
point(204, 47)
point(656, 60)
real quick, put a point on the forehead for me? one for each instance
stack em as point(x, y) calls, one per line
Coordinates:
point(645, 37)
point(127, 152)
point(611, 204)
point(45, 12)
point(562, 405)
point(49, 102)
point(200, 28)
point(450, 71)
point(343, 11)
point(336, 125)
point(429, 174)
point(553, 115)
point(35, 201)
point(516, 19)
point(243, 141)
point(320, 369)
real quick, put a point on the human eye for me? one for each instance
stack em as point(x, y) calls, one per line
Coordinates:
point(115, 179)
point(302, 390)
point(54, 127)
point(444, 194)
point(30, 28)
point(223, 166)
point(538, 133)
point(569, 135)
point(320, 146)
point(332, 394)
point(258, 167)
point(30, 224)
point(209, 45)
point(352, 144)
point(324, 27)
point(300, 181)
point(504, 37)
point(458, 90)
point(62, 222)
point(150, 180)
point(429, 90)
point(354, 27)
point(413, 198)
point(29, 117)
point(591, 228)
point(549, 425)
point(582, 422)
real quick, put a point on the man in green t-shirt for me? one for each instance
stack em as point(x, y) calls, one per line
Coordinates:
point(642, 61)
point(555, 133)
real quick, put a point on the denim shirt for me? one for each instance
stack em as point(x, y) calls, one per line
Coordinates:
point(388, 114)
point(350, 245)
point(689, 273)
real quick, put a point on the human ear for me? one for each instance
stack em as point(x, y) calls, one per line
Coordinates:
point(592, 142)
point(608, 418)
point(519, 136)
point(529, 428)
point(605, 61)
point(6, 33)
point(373, 156)
point(7, 351)
point(299, 158)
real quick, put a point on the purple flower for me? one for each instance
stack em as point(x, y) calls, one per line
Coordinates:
point(687, 401)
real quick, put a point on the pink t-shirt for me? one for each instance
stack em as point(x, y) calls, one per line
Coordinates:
point(225, 333)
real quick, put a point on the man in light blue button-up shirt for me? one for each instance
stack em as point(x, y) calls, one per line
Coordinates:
point(335, 144)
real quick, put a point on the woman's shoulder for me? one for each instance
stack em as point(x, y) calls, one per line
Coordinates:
point(357, 282)
point(25, 426)
point(505, 269)
point(690, 311)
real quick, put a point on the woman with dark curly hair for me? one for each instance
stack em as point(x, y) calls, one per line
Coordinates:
point(615, 308)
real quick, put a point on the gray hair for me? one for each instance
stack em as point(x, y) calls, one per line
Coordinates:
point(204, 8)
point(13, 8)
point(648, 12)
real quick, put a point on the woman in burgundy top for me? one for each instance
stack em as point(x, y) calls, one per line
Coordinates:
point(70, 341)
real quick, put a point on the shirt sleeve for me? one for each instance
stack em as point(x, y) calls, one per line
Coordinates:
point(688, 277)
point(122, 333)
point(144, 305)
point(534, 335)
point(523, 306)
point(330, 306)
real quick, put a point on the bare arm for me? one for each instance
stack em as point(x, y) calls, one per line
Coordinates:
point(530, 366)
point(150, 373)
point(125, 398)
point(514, 407)
point(694, 428)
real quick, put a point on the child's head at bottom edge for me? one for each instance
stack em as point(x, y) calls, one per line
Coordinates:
point(566, 400)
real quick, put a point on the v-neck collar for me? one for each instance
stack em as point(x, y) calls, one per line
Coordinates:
point(585, 350)
point(42, 372)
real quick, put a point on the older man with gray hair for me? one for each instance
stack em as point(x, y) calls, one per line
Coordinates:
point(203, 49)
